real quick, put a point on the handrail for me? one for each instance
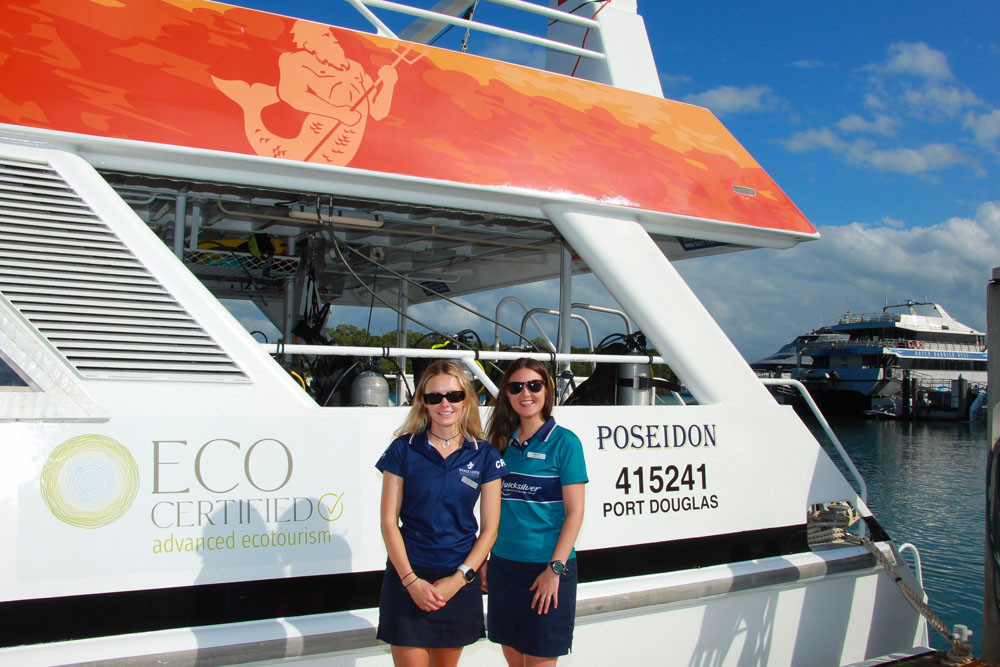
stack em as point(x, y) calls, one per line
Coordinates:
point(494, 30)
point(880, 342)
point(826, 428)
point(554, 14)
point(549, 311)
point(466, 357)
point(918, 569)
point(441, 353)
point(496, 324)
point(609, 311)
point(380, 28)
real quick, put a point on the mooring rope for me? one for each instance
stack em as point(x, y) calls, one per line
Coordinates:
point(829, 522)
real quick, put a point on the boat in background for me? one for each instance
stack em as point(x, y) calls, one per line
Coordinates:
point(793, 359)
point(911, 359)
point(176, 490)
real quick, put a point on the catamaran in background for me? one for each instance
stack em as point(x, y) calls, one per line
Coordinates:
point(176, 490)
point(911, 358)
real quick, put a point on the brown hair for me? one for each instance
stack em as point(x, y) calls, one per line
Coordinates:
point(417, 419)
point(504, 419)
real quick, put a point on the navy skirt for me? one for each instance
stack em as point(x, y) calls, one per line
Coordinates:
point(402, 623)
point(511, 620)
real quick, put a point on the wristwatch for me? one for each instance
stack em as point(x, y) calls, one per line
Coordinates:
point(558, 567)
point(467, 572)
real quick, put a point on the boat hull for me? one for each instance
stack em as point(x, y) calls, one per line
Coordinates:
point(737, 614)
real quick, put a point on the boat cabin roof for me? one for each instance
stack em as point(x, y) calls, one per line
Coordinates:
point(448, 157)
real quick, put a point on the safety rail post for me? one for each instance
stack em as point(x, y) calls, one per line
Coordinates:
point(825, 425)
point(991, 612)
point(431, 15)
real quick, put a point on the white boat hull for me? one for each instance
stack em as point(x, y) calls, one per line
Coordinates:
point(723, 615)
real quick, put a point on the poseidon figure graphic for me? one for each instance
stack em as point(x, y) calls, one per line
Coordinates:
point(330, 95)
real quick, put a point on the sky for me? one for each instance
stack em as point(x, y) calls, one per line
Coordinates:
point(880, 120)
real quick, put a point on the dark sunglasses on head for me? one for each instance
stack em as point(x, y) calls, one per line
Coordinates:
point(534, 386)
point(452, 396)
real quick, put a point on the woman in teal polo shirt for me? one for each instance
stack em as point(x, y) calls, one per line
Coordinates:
point(432, 475)
point(532, 571)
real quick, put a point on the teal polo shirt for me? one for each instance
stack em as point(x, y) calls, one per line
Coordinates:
point(437, 517)
point(532, 512)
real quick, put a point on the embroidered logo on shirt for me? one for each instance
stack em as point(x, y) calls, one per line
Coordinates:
point(468, 470)
point(531, 488)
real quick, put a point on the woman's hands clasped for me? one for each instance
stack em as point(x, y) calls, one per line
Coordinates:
point(426, 596)
point(431, 597)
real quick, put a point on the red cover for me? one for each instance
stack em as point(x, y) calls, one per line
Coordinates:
point(208, 75)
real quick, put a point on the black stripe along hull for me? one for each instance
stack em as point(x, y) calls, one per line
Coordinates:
point(106, 614)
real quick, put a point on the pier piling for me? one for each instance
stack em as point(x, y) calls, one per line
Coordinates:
point(991, 612)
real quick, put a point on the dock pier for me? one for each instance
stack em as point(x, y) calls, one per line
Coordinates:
point(991, 609)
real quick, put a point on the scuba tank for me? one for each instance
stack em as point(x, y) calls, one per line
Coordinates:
point(370, 389)
point(635, 380)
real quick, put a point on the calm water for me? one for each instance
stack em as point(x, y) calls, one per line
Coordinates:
point(926, 485)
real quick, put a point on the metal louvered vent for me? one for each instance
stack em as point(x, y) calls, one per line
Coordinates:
point(76, 282)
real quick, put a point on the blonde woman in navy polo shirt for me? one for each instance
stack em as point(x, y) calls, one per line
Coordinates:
point(432, 475)
point(532, 571)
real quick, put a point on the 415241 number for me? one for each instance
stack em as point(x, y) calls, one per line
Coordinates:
point(661, 479)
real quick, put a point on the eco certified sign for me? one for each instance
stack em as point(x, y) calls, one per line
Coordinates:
point(89, 481)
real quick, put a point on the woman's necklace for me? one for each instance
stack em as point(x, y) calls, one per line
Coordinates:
point(445, 441)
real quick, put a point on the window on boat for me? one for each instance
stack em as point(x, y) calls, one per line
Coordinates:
point(10, 379)
point(378, 288)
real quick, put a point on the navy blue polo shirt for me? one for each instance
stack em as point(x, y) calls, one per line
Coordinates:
point(438, 521)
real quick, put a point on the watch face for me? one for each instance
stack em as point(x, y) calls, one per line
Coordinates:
point(557, 566)
point(470, 575)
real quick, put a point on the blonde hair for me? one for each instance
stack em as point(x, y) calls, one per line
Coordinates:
point(418, 418)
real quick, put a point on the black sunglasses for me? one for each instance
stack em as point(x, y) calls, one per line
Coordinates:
point(452, 396)
point(534, 386)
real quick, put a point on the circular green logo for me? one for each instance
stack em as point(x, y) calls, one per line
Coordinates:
point(89, 481)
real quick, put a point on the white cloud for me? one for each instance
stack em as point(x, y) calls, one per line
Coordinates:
point(811, 139)
point(874, 101)
point(880, 124)
point(916, 59)
point(985, 127)
point(924, 159)
point(913, 85)
point(935, 101)
point(673, 80)
point(927, 158)
point(809, 64)
point(732, 99)
point(764, 298)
